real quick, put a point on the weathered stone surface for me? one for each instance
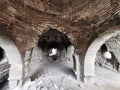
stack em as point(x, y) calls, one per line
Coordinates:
point(113, 46)
point(82, 21)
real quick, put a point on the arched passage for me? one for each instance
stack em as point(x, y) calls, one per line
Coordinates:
point(45, 26)
point(14, 59)
point(89, 63)
point(53, 40)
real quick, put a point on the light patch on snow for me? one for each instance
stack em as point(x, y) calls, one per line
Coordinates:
point(54, 79)
point(58, 76)
point(53, 82)
point(107, 55)
point(54, 52)
point(55, 76)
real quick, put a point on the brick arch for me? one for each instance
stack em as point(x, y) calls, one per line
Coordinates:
point(14, 59)
point(45, 26)
point(89, 62)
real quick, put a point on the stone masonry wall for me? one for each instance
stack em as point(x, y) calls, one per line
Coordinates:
point(113, 46)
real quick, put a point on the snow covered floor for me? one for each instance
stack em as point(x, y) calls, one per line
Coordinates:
point(105, 80)
point(54, 76)
point(60, 76)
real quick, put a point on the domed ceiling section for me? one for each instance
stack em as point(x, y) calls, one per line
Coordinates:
point(53, 6)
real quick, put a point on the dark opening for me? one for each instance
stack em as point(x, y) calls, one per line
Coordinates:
point(54, 45)
point(1, 54)
point(103, 48)
point(53, 39)
point(54, 42)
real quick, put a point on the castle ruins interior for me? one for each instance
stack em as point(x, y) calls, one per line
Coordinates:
point(59, 44)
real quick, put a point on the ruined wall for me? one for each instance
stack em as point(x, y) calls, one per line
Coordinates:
point(113, 46)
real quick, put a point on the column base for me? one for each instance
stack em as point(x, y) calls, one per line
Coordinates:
point(89, 80)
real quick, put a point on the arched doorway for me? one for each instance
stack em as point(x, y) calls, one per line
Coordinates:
point(13, 57)
point(54, 46)
point(89, 63)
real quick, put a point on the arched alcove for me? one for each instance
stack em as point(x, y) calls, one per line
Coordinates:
point(4, 66)
point(89, 63)
point(14, 59)
point(53, 46)
point(2, 54)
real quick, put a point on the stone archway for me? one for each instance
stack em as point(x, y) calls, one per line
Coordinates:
point(37, 52)
point(15, 61)
point(89, 63)
point(45, 26)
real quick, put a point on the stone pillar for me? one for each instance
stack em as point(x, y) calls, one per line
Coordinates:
point(89, 66)
point(89, 80)
point(70, 52)
point(15, 76)
point(27, 62)
point(89, 74)
point(77, 66)
point(35, 61)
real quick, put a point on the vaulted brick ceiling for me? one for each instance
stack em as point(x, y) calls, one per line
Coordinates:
point(25, 20)
point(54, 6)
